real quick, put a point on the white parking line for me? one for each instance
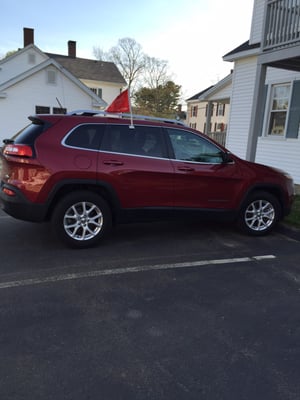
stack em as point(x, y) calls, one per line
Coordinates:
point(119, 271)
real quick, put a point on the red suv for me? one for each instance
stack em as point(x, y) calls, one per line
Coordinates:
point(85, 171)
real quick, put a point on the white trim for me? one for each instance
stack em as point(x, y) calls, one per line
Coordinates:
point(266, 121)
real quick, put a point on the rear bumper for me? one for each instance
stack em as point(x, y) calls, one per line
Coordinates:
point(19, 207)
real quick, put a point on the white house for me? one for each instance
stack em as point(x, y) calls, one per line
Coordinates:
point(208, 111)
point(264, 121)
point(34, 82)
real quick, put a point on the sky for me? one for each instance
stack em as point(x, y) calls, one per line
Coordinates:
point(192, 35)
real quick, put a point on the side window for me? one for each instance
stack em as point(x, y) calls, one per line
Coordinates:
point(87, 136)
point(142, 140)
point(190, 147)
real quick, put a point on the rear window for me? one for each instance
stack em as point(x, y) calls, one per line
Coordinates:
point(28, 134)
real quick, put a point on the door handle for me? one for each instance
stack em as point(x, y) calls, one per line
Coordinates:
point(186, 169)
point(113, 162)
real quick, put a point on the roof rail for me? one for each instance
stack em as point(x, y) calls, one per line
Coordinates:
point(93, 113)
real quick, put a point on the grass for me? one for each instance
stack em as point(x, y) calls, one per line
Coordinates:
point(294, 217)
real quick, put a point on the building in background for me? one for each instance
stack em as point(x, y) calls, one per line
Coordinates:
point(34, 82)
point(264, 121)
point(208, 110)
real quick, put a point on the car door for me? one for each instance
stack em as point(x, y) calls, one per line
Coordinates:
point(135, 164)
point(201, 178)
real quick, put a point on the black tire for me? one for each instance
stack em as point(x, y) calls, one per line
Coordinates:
point(81, 219)
point(259, 213)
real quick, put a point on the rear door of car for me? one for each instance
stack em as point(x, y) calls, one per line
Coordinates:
point(133, 160)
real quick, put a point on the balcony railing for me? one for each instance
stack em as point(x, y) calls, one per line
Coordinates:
point(282, 23)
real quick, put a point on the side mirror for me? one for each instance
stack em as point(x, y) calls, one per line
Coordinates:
point(226, 158)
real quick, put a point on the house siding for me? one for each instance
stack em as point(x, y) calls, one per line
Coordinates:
point(109, 90)
point(279, 152)
point(257, 22)
point(241, 105)
point(19, 63)
point(40, 93)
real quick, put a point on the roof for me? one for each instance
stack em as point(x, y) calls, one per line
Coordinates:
point(83, 68)
point(196, 96)
point(98, 101)
point(244, 47)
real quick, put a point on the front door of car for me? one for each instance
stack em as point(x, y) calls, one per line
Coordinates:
point(135, 164)
point(201, 178)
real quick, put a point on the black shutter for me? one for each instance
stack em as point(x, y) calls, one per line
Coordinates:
point(294, 113)
point(261, 113)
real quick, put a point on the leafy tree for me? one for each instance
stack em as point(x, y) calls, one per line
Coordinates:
point(160, 101)
point(8, 54)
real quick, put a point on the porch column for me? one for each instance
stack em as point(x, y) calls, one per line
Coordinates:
point(257, 112)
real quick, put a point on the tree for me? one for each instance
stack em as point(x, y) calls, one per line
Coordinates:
point(160, 101)
point(128, 57)
point(155, 73)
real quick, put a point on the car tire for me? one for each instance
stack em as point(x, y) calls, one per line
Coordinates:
point(259, 213)
point(81, 219)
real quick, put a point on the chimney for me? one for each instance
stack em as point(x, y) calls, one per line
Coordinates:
point(28, 36)
point(72, 48)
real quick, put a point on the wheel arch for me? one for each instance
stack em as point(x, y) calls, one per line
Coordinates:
point(101, 188)
point(275, 190)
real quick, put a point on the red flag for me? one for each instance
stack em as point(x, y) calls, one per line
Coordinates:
point(120, 104)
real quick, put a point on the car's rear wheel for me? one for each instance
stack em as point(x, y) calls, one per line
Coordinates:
point(81, 219)
point(259, 213)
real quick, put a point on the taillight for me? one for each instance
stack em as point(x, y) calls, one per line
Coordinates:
point(9, 192)
point(20, 150)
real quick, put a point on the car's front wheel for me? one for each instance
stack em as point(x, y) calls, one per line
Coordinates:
point(259, 213)
point(81, 219)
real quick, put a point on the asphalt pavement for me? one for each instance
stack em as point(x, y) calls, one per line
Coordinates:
point(158, 311)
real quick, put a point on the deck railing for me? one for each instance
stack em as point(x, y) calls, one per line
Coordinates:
point(282, 25)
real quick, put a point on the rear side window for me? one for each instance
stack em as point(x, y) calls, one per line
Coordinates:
point(142, 140)
point(87, 136)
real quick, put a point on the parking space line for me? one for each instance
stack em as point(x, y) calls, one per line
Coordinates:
point(128, 270)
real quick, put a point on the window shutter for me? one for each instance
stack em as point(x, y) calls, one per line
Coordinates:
point(294, 113)
point(261, 114)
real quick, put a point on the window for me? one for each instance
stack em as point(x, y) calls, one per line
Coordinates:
point(190, 147)
point(142, 140)
point(194, 111)
point(51, 77)
point(59, 110)
point(97, 91)
point(280, 95)
point(42, 110)
point(193, 125)
point(220, 109)
point(31, 58)
point(86, 136)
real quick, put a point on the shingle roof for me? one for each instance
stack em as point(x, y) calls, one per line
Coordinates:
point(96, 70)
point(196, 96)
point(243, 47)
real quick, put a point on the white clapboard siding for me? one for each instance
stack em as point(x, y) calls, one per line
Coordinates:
point(241, 105)
point(280, 153)
point(257, 22)
point(23, 60)
point(34, 91)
